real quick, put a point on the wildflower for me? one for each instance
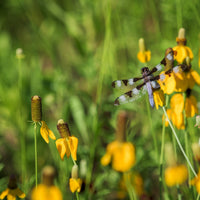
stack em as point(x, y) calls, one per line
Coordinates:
point(12, 191)
point(75, 182)
point(67, 144)
point(36, 112)
point(198, 121)
point(143, 55)
point(182, 50)
point(196, 182)
point(176, 175)
point(135, 180)
point(159, 98)
point(120, 152)
point(47, 190)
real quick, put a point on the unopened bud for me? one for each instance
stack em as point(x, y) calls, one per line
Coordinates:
point(63, 128)
point(36, 108)
point(48, 175)
point(74, 173)
point(121, 126)
point(142, 45)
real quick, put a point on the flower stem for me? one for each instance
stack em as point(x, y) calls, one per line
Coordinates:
point(161, 159)
point(198, 197)
point(77, 196)
point(35, 136)
point(180, 146)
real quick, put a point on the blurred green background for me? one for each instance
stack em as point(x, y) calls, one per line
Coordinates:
point(73, 51)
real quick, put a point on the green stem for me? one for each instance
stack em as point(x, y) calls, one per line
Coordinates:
point(198, 197)
point(180, 146)
point(35, 134)
point(77, 196)
point(161, 159)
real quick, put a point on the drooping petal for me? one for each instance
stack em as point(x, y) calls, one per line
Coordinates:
point(182, 53)
point(177, 103)
point(46, 132)
point(73, 145)
point(181, 82)
point(19, 193)
point(75, 185)
point(4, 194)
point(191, 106)
point(144, 57)
point(178, 120)
point(61, 145)
point(195, 76)
point(159, 98)
point(106, 159)
point(11, 197)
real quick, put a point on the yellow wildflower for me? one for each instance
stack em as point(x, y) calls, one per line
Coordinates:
point(120, 152)
point(12, 191)
point(196, 182)
point(182, 50)
point(47, 190)
point(67, 144)
point(75, 182)
point(36, 112)
point(191, 106)
point(159, 98)
point(143, 55)
point(176, 175)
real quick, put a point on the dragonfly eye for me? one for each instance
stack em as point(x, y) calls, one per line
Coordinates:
point(145, 69)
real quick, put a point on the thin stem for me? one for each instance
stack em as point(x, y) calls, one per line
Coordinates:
point(35, 134)
point(180, 146)
point(161, 158)
point(77, 196)
point(198, 197)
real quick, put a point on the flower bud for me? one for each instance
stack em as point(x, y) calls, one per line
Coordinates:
point(121, 126)
point(181, 40)
point(63, 128)
point(36, 108)
point(141, 45)
point(74, 173)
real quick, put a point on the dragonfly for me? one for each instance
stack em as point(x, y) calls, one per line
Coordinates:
point(148, 82)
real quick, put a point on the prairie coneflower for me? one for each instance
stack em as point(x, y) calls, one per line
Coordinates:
point(75, 182)
point(196, 182)
point(143, 55)
point(182, 50)
point(47, 190)
point(36, 112)
point(12, 191)
point(67, 144)
point(120, 152)
point(175, 174)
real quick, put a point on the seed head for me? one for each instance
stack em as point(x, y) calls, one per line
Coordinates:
point(12, 182)
point(121, 126)
point(36, 108)
point(181, 40)
point(48, 175)
point(63, 128)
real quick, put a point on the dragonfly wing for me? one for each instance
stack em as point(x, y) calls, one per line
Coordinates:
point(150, 93)
point(129, 96)
point(124, 83)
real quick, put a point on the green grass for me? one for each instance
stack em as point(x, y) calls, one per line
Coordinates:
point(73, 51)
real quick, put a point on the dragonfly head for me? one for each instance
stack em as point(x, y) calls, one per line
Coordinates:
point(145, 70)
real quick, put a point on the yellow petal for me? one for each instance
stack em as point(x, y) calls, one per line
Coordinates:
point(182, 53)
point(177, 103)
point(178, 120)
point(191, 106)
point(46, 132)
point(144, 56)
point(61, 145)
point(195, 76)
point(124, 157)
point(159, 98)
point(4, 194)
point(181, 82)
point(75, 185)
point(11, 197)
point(105, 160)
point(73, 145)
point(19, 193)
